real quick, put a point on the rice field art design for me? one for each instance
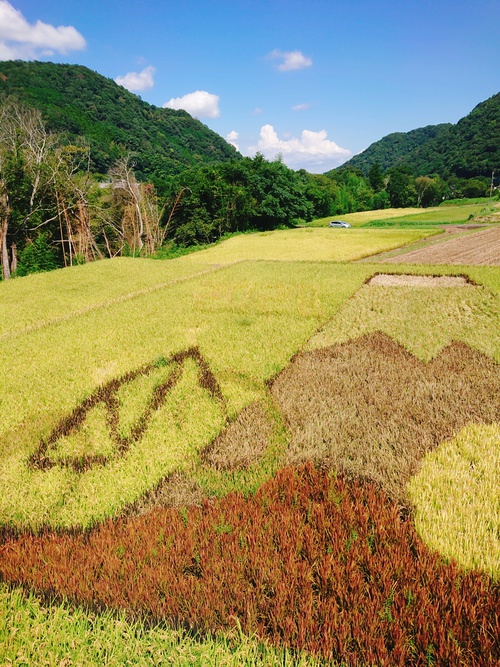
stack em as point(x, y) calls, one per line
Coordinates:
point(116, 444)
point(312, 562)
point(324, 557)
point(165, 370)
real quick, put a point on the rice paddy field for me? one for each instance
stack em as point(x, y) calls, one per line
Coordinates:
point(467, 211)
point(267, 452)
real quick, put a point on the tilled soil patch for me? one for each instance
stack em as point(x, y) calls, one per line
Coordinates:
point(480, 248)
point(407, 280)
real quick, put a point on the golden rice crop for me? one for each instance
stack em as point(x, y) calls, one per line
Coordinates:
point(247, 320)
point(313, 244)
point(40, 299)
point(457, 499)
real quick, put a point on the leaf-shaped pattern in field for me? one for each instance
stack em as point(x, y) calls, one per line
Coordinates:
point(105, 402)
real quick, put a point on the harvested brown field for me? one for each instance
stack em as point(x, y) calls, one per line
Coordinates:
point(479, 248)
point(372, 410)
point(176, 490)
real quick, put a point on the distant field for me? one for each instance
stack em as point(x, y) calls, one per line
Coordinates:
point(260, 445)
point(306, 244)
point(456, 213)
point(435, 216)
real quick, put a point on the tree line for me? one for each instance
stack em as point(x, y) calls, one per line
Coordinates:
point(56, 211)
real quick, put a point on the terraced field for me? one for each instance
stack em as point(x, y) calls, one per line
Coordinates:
point(253, 455)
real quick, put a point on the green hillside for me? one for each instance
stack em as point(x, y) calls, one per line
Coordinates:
point(467, 149)
point(77, 101)
point(397, 147)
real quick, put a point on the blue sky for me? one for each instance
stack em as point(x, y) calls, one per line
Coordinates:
point(314, 80)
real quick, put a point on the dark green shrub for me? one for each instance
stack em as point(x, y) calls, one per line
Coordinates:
point(37, 256)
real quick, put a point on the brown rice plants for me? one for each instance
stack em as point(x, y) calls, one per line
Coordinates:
point(371, 409)
point(312, 561)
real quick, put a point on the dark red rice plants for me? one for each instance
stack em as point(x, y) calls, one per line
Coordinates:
point(312, 561)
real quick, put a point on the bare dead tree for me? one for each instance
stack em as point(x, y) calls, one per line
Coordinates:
point(73, 185)
point(4, 227)
point(124, 181)
point(142, 211)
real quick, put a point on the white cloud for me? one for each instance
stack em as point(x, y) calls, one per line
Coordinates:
point(136, 81)
point(290, 60)
point(301, 107)
point(232, 138)
point(199, 104)
point(313, 151)
point(22, 40)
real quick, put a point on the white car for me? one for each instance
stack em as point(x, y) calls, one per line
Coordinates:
point(339, 223)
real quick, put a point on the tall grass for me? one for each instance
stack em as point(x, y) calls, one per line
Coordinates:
point(372, 410)
point(456, 491)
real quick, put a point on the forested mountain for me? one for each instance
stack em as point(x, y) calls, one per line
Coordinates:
point(468, 149)
point(88, 170)
point(79, 102)
point(396, 148)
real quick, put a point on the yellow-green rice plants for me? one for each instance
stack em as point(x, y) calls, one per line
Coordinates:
point(38, 300)
point(312, 244)
point(246, 320)
point(456, 495)
point(423, 319)
point(32, 634)
point(84, 471)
